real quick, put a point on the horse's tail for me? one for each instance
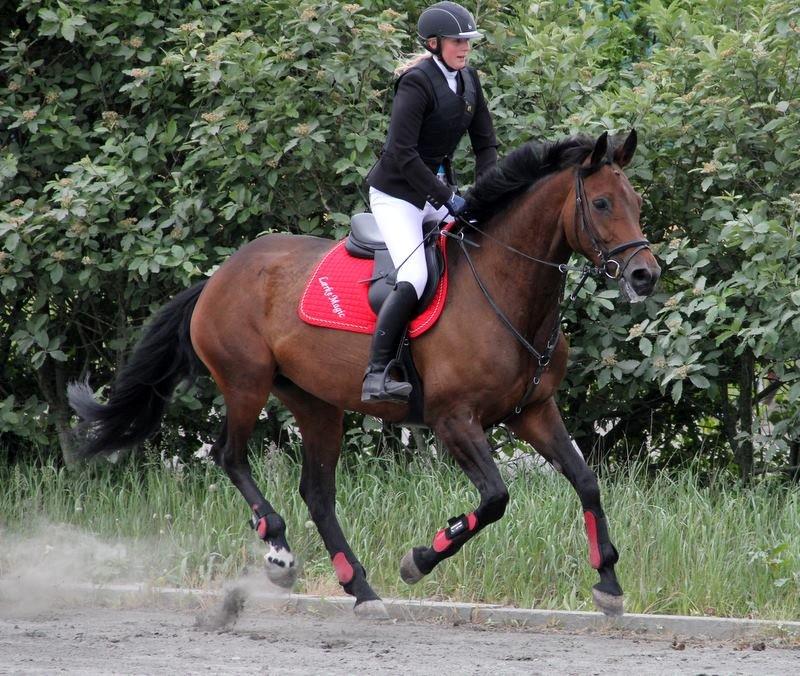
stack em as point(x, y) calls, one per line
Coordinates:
point(139, 394)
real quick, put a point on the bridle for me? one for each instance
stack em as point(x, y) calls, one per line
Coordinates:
point(583, 223)
point(607, 266)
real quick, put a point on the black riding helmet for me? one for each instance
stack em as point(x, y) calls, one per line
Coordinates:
point(445, 20)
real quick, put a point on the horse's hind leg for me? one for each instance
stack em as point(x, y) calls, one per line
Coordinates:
point(320, 425)
point(243, 408)
point(243, 370)
point(243, 411)
point(542, 427)
point(467, 443)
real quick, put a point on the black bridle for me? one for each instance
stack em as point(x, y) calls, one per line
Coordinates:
point(584, 223)
point(607, 266)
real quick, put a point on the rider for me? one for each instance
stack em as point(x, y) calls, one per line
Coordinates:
point(437, 99)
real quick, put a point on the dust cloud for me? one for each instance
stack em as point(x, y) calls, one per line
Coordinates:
point(56, 566)
point(53, 565)
point(254, 588)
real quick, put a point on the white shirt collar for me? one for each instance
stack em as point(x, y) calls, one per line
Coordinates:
point(451, 75)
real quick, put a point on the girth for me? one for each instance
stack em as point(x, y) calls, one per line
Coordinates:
point(365, 241)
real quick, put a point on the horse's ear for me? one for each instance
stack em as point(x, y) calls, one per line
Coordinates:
point(624, 154)
point(600, 150)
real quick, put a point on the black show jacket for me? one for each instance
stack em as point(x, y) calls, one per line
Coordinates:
point(428, 121)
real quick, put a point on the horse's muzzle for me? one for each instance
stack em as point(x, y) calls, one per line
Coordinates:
point(639, 280)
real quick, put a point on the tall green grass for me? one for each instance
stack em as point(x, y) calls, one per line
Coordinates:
point(684, 547)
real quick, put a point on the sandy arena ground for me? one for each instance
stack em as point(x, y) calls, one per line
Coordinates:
point(50, 624)
point(91, 640)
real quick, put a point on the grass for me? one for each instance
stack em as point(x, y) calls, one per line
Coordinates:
point(685, 548)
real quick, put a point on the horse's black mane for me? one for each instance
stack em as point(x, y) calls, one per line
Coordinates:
point(518, 170)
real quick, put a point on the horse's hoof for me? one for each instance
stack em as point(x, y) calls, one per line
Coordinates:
point(371, 610)
point(408, 569)
point(282, 573)
point(608, 604)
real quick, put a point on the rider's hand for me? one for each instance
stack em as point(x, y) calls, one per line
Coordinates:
point(456, 205)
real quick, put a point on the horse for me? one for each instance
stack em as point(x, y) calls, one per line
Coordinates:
point(496, 354)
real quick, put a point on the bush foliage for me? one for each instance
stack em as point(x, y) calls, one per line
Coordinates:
point(141, 143)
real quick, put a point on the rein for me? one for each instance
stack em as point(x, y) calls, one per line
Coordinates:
point(606, 259)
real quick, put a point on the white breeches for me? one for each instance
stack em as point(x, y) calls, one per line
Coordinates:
point(400, 223)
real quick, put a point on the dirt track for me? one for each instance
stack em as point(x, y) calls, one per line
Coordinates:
point(153, 640)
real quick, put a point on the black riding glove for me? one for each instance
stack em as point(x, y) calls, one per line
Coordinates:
point(456, 205)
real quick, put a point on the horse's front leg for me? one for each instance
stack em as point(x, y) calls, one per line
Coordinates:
point(541, 425)
point(466, 442)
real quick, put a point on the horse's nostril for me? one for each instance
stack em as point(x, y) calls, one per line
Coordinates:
point(643, 279)
point(641, 275)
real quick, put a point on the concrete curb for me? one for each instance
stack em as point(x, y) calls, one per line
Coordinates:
point(473, 613)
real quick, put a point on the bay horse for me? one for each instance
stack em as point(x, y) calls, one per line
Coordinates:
point(496, 354)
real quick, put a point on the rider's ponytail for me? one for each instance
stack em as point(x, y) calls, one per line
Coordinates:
point(410, 62)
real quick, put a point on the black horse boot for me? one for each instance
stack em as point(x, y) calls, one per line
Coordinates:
point(393, 317)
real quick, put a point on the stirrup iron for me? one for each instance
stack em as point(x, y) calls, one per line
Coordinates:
point(380, 386)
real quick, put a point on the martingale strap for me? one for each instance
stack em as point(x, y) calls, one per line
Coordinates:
point(542, 358)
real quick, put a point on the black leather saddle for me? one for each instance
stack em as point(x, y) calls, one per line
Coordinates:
point(365, 241)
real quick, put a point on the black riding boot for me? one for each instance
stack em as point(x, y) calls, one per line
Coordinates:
point(393, 317)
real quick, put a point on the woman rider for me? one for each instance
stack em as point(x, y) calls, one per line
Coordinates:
point(438, 98)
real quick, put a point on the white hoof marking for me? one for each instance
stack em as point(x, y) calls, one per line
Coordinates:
point(281, 569)
point(279, 557)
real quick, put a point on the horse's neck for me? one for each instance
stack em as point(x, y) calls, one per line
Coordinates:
point(533, 224)
point(529, 292)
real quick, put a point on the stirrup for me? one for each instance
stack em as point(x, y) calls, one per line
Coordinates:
point(380, 386)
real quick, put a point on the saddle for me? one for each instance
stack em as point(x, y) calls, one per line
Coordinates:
point(365, 241)
point(351, 281)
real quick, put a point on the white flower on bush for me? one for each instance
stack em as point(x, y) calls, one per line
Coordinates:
point(172, 464)
point(636, 330)
point(203, 454)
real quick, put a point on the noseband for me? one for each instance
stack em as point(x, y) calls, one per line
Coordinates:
point(607, 265)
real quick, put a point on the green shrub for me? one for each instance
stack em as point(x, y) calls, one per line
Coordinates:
point(141, 143)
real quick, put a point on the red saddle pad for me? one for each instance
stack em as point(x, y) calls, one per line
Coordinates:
point(336, 295)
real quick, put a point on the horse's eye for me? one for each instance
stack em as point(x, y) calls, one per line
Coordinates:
point(601, 204)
